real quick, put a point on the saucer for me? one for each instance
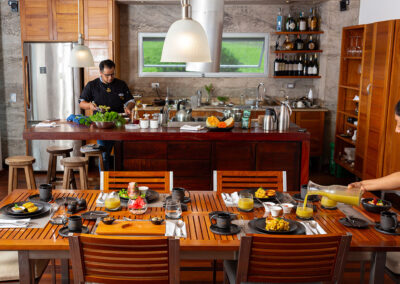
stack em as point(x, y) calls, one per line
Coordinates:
point(380, 230)
point(355, 223)
point(234, 229)
point(65, 232)
point(36, 197)
point(304, 219)
point(328, 208)
point(185, 199)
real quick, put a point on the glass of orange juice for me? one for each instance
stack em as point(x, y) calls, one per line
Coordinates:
point(246, 202)
point(305, 211)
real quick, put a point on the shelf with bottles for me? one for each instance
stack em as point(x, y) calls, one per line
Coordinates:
point(302, 24)
point(307, 45)
point(302, 66)
point(296, 77)
point(297, 51)
point(348, 166)
point(300, 33)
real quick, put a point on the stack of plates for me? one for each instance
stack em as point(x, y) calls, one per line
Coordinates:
point(43, 209)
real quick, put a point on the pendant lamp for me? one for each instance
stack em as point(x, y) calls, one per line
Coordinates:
point(81, 56)
point(186, 40)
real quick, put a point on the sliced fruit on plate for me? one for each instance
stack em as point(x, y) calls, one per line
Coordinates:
point(229, 122)
point(212, 121)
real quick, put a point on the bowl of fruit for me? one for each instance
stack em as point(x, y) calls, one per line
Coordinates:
point(375, 205)
point(137, 206)
point(213, 124)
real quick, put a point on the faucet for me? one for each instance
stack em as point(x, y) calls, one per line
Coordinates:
point(199, 94)
point(259, 98)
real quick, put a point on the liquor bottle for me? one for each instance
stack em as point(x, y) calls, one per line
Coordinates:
point(305, 66)
point(299, 43)
point(311, 45)
point(294, 66)
point(302, 22)
point(310, 68)
point(288, 45)
point(290, 24)
point(314, 21)
point(279, 20)
point(309, 19)
point(290, 66)
point(300, 67)
point(282, 66)
point(286, 67)
point(316, 65)
point(276, 66)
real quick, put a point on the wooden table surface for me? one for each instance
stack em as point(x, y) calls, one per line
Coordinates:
point(196, 218)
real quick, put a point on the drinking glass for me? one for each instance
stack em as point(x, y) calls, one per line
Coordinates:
point(173, 209)
point(246, 202)
point(305, 212)
point(350, 48)
point(358, 49)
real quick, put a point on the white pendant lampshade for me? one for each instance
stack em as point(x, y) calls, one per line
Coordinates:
point(186, 40)
point(81, 56)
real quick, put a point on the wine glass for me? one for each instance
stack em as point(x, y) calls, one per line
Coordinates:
point(358, 50)
point(350, 48)
point(173, 209)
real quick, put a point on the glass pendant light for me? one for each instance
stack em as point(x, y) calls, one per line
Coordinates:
point(81, 56)
point(186, 40)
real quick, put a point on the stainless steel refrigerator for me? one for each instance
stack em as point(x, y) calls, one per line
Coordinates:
point(54, 89)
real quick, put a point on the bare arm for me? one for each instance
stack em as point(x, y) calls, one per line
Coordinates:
point(87, 106)
point(129, 106)
point(389, 182)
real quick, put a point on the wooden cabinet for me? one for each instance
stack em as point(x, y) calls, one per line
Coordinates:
point(98, 17)
point(36, 20)
point(314, 122)
point(101, 50)
point(65, 19)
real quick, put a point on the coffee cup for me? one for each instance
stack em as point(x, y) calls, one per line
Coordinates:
point(303, 191)
point(45, 192)
point(222, 220)
point(72, 206)
point(178, 193)
point(389, 221)
point(75, 223)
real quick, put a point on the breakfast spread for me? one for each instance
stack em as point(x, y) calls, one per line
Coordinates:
point(277, 225)
point(261, 193)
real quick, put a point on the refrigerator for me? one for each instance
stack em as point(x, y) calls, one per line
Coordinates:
point(53, 93)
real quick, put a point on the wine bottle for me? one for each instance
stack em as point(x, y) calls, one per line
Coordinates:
point(305, 66)
point(316, 65)
point(290, 24)
point(310, 69)
point(311, 45)
point(286, 66)
point(300, 67)
point(276, 65)
point(299, 43)
point(279, 21)
point(302, 22)
point(309, 19)
point(314, 21)
point(290, 66)
point(288, 45)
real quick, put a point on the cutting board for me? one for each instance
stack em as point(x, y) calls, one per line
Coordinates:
point(132, 228)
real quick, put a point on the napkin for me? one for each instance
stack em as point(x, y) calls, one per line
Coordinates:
point(230, 199)
point(45, 124)
point(172, 230)
point(20, 223)
point(192, 128)
point(309, 232)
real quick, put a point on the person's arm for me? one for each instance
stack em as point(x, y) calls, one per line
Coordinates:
point(86, 98)
point(87, 105)
point(389, 182)
point(129, 100)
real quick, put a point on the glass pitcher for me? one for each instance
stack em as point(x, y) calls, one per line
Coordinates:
point(112, 201)
point(338, 193)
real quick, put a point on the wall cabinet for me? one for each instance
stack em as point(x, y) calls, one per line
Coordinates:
point(98, 19)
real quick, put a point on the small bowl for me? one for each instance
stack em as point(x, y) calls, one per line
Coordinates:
point(276, 211)
point(132, 126)
point(104, 124)
point(375, 208)
point(287, 207)
point(18, 209)
point(157, 220)
point(108, 220)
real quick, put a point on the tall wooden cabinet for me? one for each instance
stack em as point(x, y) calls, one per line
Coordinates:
point(372, 78)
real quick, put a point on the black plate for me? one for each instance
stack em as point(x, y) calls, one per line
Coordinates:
point(36, 197)
point(301, 230)
point(185, 199)
point(216, 129)
point(355, 223)
point(151, 196)
point(34, 215)
point(8, 209)
point(260, 226)
point(380, 230)
point(64, 232)
point(93, 215)
point(233, 230)
point(312, 198)
point(278, 195)
point(69, 199)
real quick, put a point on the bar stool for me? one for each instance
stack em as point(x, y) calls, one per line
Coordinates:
point(70, 164)
point(20, 162)
point(96, 154)
point(56, 151)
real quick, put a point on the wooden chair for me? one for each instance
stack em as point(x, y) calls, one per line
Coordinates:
point(158, 181)
point(231, 181)
point(294, 259)
point(109, 259)
point(20, 162)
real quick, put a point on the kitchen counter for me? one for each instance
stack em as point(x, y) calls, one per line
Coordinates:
point(193, 156)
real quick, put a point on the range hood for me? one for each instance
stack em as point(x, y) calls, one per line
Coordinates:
point(210, 14)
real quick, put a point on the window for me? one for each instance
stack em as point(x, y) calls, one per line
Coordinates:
point(242, 55)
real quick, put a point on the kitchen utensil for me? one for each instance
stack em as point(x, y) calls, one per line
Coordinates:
point(179, 228)
point(45, 192)
point(314, 225)
point(270, 120)
point(284, 116)
point(354, 222)
point(222, 220)
point(389, 221)
point(182, 113)
point(154, 123)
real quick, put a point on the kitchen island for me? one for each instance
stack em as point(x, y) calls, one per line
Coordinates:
point(193, 156)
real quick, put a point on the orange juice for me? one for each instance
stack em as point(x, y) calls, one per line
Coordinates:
point(346, 197)
point(246, 204)
point(112, 203)
point(304, 212)
point(328, 203)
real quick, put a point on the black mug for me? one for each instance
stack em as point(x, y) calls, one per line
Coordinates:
point(45, 192)
point(75, 223)
point(389, 221)
point(178, 193)
point(71, 207)
point(222, 220)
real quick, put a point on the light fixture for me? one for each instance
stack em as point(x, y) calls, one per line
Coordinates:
point(81, 56)
point(186, 40)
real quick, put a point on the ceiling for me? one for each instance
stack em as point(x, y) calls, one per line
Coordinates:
point(227, 2)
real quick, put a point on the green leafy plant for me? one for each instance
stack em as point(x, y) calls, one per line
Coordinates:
point(209, 88)
point(107, 117)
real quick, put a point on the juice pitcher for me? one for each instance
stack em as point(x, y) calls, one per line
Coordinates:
point(338, 193)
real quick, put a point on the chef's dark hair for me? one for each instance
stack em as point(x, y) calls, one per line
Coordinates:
point(397, 108)
point(106, 63)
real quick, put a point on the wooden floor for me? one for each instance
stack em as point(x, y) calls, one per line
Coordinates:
point(351, 275)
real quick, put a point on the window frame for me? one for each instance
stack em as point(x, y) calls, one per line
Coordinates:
point(141, 36)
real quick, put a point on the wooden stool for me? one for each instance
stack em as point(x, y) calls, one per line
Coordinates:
point(56, 151)
point(20, 162)
point(70, 164)
point(98, 154)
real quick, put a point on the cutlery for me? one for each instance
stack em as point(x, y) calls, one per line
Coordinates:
point(309, 227)
point(179, 228)
point(314, 225)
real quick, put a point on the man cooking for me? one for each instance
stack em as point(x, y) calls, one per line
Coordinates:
point(107, 91)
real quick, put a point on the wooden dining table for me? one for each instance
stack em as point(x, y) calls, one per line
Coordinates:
point(201, 243)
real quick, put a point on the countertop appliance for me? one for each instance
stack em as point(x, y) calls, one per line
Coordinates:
point(53, 93)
